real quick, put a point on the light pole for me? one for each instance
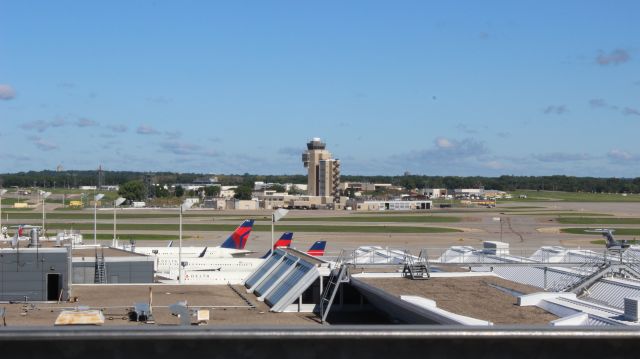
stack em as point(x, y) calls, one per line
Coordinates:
point(2, 192)
point(44, 196)
point(95, 217)
point(185, 206)
point(116, 203)
point(275, 217)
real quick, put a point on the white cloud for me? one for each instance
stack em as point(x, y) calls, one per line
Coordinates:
point(173, 135)
point(186, 149)
point(41, 125)
point(442, 142)
point(628, 111)
point(621, 155)
point(42, 144)
point(85, 122)
point(7, 92)
point(598, 102)
point(562, 157)
point(555, 110)
point(615, 57)
point(146, 130)
point(118, 128)
point(447, 151)
point(494, 165)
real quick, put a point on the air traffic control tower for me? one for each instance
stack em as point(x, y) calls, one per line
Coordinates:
point(324, 172)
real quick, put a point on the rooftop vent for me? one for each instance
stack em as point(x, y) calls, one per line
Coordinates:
point(631, 309)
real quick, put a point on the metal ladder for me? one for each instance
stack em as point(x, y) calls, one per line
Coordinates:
point(100, 276)
point(338, 275)
point(416, 269)
point(594, 266)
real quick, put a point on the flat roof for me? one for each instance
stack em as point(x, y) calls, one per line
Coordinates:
point(225, 305)
point(470, 296)
point(6, 243)
point(108, 252)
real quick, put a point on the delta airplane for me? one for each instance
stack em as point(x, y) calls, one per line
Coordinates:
point(228, 274)
point(203, 263)
point(233, 247)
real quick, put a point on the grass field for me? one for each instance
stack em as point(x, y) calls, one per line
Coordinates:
point(597, 220)
point(571, 197)
point(13, 210)
point(397, 219)
point(259, 228)
point(10, 201)
point(618, 231)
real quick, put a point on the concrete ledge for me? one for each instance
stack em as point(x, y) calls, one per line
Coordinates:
point(415, 310)
point(573, 320)
point(341, 342)
point(430, 305)
point(535, 299)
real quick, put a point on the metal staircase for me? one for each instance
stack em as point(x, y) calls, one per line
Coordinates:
point(416, 268)
point(612, 262)
point(592, 266)
point(339, 275)
point(100, 276)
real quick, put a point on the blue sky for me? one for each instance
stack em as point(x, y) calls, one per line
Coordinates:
point(436, 88)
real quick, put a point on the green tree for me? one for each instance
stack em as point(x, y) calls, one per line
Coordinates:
point(294, 190)
point(212, 191)
point(179, 191)
point(132, 190)
point(243, 192)
point(278, 188)
point(161, 192)
point(351, 193)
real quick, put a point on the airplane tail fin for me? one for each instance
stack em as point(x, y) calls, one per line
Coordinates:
point(203, 252)
point(238, 239)
point(284, 241)
point(608, 235)
point(317, 249)
point(170, 244)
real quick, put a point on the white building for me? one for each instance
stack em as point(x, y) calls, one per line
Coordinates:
point(391, 205)
point(435, 193)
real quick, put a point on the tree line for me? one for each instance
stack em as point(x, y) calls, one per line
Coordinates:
point(72, 179)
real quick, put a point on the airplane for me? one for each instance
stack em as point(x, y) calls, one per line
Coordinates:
point(229, 274)
point(204, 263)
point(232, 247)
point(611, 243)
point(317, 249)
